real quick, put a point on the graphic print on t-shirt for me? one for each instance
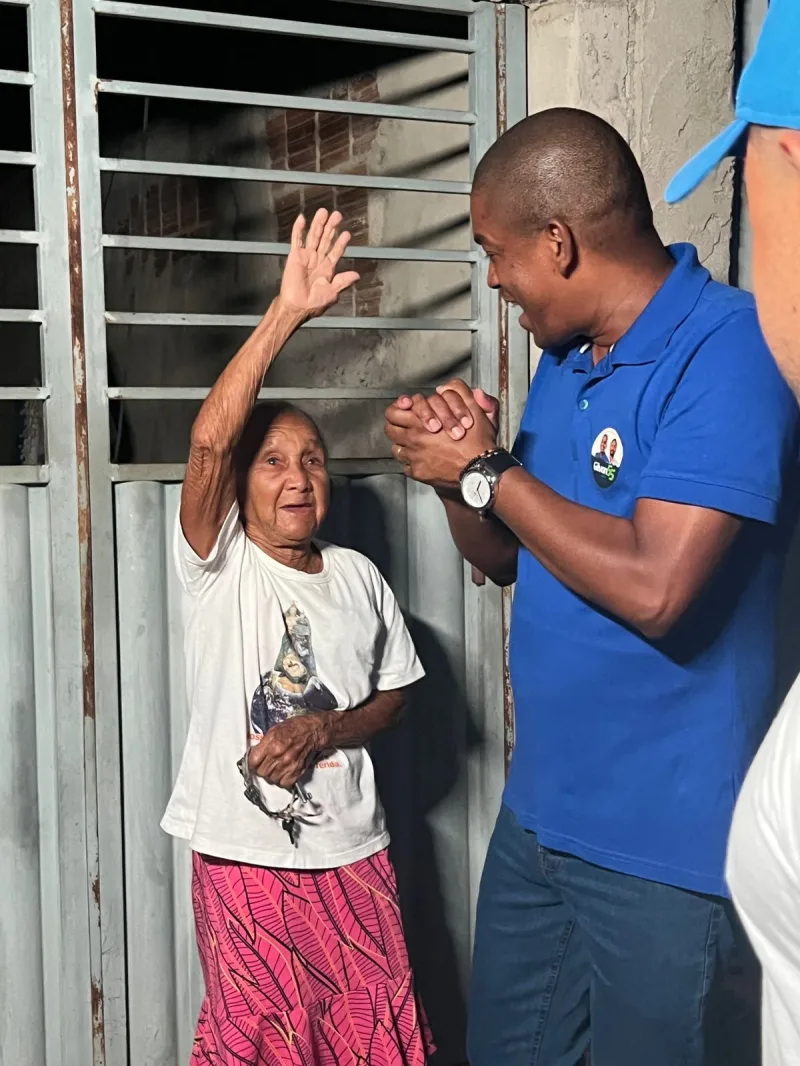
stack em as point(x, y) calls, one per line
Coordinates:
point(292, 687)
point(607, 453)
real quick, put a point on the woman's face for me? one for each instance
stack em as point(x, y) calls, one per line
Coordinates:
point(287, 489)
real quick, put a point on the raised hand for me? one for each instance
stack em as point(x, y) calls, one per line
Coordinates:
point(310, 283)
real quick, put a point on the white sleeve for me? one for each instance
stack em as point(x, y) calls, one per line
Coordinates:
point(396, 663)
point(196, 574)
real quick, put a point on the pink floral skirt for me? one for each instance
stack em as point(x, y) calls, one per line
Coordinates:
point(304, 968)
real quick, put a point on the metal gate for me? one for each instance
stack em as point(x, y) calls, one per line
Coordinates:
point(97, 960)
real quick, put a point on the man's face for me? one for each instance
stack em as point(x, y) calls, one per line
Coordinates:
point(772, 173)
point(613, 450)
point(604, 442)
point(287, 489)
point(525, 271)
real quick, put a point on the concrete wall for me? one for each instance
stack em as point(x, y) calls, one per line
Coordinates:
point(662, 74)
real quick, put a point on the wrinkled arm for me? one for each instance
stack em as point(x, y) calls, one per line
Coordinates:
point(288, 749)
point(353, 729)
point(209, 487)
point(308, 288)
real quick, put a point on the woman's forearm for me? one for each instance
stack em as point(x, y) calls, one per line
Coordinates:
point(227, 408)
point(351, 729)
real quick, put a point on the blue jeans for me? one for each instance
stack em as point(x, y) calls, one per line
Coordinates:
point(569, 955)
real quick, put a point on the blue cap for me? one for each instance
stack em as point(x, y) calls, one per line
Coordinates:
point(769, 95)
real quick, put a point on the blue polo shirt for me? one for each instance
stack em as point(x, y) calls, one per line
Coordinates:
point(630, 752)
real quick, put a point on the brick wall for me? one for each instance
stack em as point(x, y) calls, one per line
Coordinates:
point(171, 207)
point(295, 140)
point(329, 143)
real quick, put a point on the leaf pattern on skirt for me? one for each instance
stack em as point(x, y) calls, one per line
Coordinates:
point(304, 968)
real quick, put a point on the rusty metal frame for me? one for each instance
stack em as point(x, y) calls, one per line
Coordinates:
point(296, 103)
point(500, 364)
point(331, 180)
point(204, 244)
point(59, 551)
point(449, 7)
point(284, 27)
point(514, 344)
point(93, 1023)
point(85, 531)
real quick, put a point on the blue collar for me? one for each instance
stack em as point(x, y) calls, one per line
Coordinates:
point(668, 309)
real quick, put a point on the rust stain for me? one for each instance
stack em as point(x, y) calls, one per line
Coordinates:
point(502, 386)
point(502, 371)
point(78, 335)
point(78, 351)
point(508, 693)
point(97, 1011)
point(502, 101)
point(502, 122)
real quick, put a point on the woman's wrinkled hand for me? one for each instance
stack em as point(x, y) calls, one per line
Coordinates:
point(310, 284)
point(288, 749)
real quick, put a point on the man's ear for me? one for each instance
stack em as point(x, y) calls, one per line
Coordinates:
point(789, 141)
point(562, 244)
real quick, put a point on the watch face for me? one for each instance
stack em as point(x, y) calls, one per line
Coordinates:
point(476, 490)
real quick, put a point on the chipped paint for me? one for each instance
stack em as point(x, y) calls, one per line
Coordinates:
point(503, 390)
point(78, 349)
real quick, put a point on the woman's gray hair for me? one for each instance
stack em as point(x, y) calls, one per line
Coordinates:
point(262, 418)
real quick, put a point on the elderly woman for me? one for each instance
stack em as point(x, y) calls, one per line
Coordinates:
point(296, 656)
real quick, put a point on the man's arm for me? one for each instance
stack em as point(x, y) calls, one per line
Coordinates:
point(308, 289)
point(488, 544)
point(645, 570)
point(288, 749)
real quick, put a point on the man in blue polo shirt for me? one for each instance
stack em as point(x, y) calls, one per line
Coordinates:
point(643, 629)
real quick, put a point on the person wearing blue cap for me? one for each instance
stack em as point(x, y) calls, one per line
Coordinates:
point(763, 867)
point(642, 514)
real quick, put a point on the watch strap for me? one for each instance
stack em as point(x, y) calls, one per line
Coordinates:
point(499, 460)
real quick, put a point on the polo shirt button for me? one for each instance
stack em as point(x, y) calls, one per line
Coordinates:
point(583, 405)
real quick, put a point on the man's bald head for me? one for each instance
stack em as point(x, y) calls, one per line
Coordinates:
point(571, 166)
point(559, 206)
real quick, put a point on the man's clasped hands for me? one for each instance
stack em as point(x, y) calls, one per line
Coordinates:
point(435, 437)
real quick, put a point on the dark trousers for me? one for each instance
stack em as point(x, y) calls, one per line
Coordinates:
point(569, 955)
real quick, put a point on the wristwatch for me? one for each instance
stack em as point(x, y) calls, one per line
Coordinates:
point(479, 478)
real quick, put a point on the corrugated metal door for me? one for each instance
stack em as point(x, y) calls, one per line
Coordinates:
point(98, 932)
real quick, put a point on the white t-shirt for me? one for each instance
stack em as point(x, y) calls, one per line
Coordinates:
point(264, 642)
point(764, 877)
